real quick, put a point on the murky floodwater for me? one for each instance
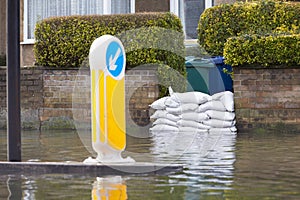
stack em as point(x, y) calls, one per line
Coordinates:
point(219, 166)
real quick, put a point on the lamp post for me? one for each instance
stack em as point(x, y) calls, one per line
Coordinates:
point(13, 81)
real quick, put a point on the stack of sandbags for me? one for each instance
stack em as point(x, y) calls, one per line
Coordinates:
point(221, 112)
point(194, 112)
point(165, 120)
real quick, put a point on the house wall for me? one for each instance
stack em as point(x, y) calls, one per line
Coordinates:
point(152, 6)
point(27, 55)
point(267, 97)
point(60, 99)
point(2, 27)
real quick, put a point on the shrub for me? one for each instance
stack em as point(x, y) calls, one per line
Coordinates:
point(148, 38)
point(65, 41)
point(263, 50)
point(220, 22)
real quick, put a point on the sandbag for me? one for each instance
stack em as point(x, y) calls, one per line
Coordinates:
point(171, 103)
point(163, 127)
point(171, 92)
point(226, 98)
point(183, 108)
point(193, 124)
point(191, 97)
point(164, 114)
point(194, 116)
point(165, 121)
point(221, 115)
point(159, 104)
point(211, 105)
point(215, 123)
point(192, 130)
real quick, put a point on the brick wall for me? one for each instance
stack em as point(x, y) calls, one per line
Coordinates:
point(60, 99)
point(267, 97)
point(141, 90)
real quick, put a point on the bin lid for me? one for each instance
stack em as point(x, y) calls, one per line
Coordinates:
point(218, 60)
point(192, 61)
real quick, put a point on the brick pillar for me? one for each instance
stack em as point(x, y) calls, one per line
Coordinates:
point(266, 96)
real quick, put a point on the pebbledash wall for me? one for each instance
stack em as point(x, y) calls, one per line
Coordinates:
point(60, 98)
point(267, 97)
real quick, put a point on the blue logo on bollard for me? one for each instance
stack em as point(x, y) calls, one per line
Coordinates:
point(115, 59)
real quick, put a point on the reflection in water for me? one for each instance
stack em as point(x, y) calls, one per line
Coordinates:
point(109, 188)
point(249, 166)
point(48, 146)
point(267, 166)
point(14, 187)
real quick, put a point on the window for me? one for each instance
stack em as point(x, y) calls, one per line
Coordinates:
point(120, 6)
point(35, 10)
point(189, 12)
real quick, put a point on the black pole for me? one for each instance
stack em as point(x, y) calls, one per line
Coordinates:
point(13, 81)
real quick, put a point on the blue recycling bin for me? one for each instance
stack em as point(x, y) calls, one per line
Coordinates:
point(227, 83)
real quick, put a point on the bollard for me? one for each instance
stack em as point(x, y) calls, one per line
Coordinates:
point(107, 65)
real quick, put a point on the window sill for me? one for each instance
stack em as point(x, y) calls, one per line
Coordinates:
point(30, 41)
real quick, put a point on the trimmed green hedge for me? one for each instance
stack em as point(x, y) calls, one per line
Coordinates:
point(220, 22)
point(263, 50)
point(147, 38)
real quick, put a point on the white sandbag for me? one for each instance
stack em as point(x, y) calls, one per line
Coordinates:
point(159, 114)
point(211, 105)
point(163, 127)
point(171, 92)
point(194, 116)
point(189, 107)
point(223, 130)
point(159, 104)
point(171, 103)
point(193, 124)
point(192, 130)
point(164, 121)
point(164, 114)
point(226, 98)
point(215, 123)
point(191, 97)
point(221, 115)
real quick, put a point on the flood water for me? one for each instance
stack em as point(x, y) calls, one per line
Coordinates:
point(219, 166)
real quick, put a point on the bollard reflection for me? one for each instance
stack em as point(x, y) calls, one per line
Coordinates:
point(109, 188)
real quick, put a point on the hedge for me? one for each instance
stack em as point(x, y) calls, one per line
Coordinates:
point(273, 50)
point(147, 37)
point(65, 41)
point(220, 22)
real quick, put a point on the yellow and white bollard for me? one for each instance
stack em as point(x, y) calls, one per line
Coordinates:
point(107, 64)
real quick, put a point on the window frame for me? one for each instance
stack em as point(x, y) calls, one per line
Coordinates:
point(174, 8)
point(106, 10)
